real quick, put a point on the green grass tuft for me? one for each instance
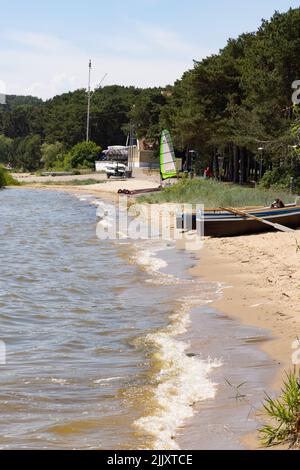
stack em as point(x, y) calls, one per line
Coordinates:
point(284, 413)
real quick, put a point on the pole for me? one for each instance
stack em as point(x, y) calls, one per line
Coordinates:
point(89, 104)
point(261, 165)
point(261, 150)
point(131, 146)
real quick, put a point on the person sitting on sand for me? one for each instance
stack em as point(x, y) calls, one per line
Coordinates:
point(277, 204)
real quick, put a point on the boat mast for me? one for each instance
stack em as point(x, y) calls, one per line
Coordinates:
point(89, 104)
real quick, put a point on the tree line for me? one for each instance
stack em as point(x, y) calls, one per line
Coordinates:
point(233, 109)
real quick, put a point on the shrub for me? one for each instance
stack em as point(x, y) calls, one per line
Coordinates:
point(82, 155)
point(51, 153)
point(6, 179)
point(280, 178)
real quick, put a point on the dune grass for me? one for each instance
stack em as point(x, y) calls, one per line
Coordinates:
point(214, 194)
point(75, 182)
point(284, 413)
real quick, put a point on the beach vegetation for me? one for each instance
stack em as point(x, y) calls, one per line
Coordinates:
point(26, 153)
point(52, 154)
point(5, 149)
point(212, 193)
point(74, 182)
point(284, 415)
point(6, 178)
point(81, 156)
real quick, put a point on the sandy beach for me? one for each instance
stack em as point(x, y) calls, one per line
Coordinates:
point(107, 189)
point(261, 276)
point(262, 273)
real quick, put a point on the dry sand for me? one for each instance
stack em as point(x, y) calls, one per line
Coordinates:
point(108, 189)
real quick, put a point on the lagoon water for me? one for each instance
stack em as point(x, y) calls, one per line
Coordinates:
point(88, 332)
point(97, 334)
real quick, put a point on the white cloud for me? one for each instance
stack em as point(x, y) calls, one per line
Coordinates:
point(56, 85)
point(164, 39)
point(35, 40)
point(46, 65)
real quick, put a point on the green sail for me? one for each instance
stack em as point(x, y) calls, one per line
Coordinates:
point(167, 156)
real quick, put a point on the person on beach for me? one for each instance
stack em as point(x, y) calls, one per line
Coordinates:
point(208, 173)
point(277, 204)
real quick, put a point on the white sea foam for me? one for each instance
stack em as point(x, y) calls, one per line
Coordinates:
point(97, 203)
point(59, 381)
point(83, 197)
point(182, 382)
point(150, 261)
point(107, 380)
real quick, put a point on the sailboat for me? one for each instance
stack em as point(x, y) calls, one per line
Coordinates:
point(167, 156)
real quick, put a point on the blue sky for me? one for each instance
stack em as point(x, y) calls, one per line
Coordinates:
point(45, 46)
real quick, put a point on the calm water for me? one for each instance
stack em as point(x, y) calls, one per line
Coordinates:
point(90, 331)
point(107, 343)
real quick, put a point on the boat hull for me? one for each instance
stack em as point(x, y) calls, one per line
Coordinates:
point(220, 224)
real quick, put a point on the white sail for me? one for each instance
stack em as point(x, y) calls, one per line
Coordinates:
point(167, 156)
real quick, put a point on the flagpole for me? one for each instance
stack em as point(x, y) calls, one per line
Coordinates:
point(89, 104)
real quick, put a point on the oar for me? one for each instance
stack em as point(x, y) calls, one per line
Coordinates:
point(279, 227)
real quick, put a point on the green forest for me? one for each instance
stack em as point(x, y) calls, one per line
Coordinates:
point(234, 109)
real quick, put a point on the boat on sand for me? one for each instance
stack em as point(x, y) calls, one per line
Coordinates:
point(225, 223)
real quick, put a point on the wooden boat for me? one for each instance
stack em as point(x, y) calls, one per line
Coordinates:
point(220, 223)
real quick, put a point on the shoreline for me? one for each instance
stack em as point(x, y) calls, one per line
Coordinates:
point(261, 277)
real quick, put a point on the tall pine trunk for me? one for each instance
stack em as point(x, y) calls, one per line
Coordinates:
point(235, 164)
point(243, 166)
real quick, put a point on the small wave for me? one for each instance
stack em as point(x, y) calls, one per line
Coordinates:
point(83, 197)
point(150, 261)
point(181, 382)
point(169, 280)
point(108, 379)
point(59, 381)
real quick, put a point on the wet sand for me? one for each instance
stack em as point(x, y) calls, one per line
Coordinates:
point(261, 276)
point(223, 423)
